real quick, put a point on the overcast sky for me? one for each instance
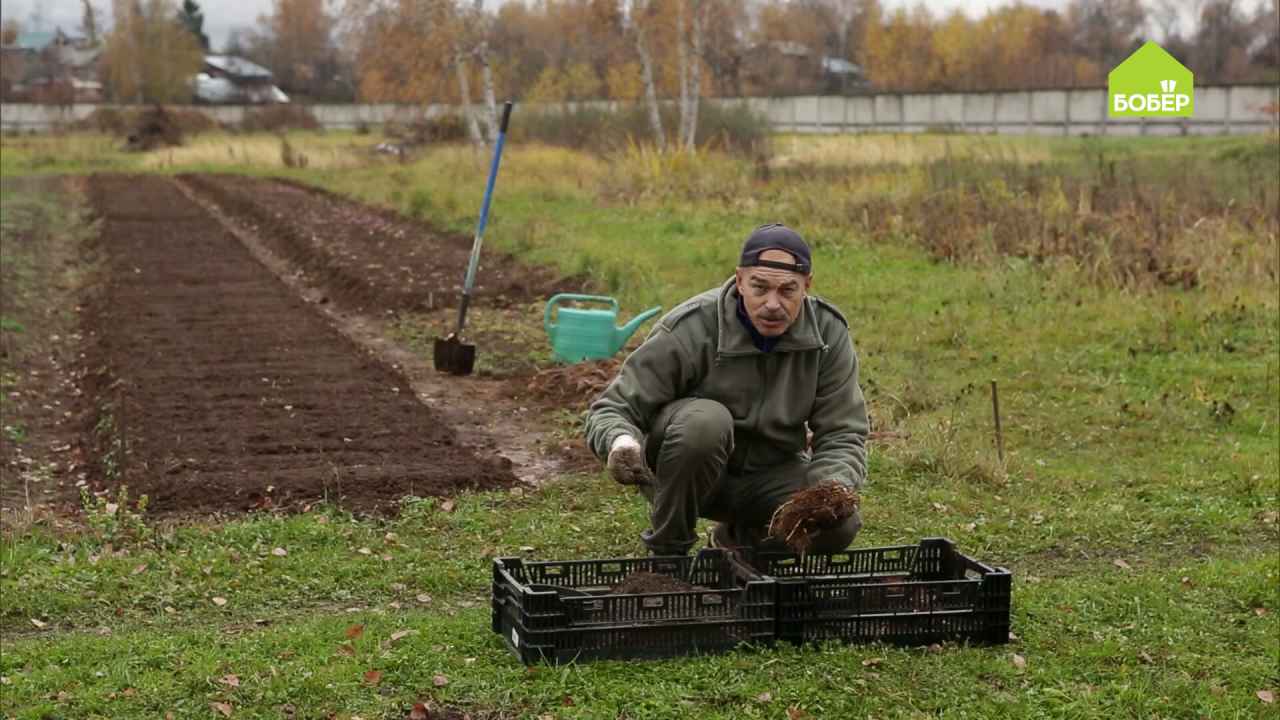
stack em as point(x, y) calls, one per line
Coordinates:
point(220, 16)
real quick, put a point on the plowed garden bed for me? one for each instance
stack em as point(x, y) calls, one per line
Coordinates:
point(370, 257)
point(217, 389)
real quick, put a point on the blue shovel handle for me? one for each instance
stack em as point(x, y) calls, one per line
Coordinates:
point(474, 261)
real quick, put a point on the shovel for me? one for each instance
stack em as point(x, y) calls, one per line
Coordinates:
point(451, 354)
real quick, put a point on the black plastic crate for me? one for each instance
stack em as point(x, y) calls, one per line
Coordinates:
point(904, 595)
point(562, 611)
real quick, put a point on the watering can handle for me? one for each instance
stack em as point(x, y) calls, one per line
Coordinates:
point(564, 297)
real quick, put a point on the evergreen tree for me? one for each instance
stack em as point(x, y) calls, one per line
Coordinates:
point(192, 18)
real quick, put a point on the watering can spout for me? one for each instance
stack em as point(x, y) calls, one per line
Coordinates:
point(624, 333)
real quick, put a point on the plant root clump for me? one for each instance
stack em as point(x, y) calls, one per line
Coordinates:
point(810, 511)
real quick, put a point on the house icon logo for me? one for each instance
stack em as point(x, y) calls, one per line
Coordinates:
point(1150, 83)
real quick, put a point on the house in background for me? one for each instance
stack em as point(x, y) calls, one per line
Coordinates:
point(786, 67)
point(50, 67)
point(226, 79)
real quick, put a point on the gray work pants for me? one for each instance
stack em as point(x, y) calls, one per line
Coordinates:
point(688, 450)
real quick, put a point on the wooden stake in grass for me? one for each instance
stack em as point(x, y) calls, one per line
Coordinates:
point(995, 411)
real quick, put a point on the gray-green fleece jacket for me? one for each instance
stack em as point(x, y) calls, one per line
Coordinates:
point(701, 349)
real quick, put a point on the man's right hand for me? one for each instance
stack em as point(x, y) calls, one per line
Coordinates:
point(626, 462)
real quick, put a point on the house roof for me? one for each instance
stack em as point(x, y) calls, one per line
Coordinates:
point(34, 40)
point(237, 67)
point(840, 66)
point(79, 57)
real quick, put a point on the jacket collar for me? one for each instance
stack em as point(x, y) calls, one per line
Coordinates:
point(733, 339)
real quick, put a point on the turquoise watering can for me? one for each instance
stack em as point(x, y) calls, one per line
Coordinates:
point(588, 334)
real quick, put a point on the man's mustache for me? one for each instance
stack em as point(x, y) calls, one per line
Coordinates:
point(780, 315)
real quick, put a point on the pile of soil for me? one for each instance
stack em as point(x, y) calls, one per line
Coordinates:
point(124, 122)
point(155, 128)
point(822, 506)
point(648, 582)
point(440, 129)
point(368, 257)
point(217, 389)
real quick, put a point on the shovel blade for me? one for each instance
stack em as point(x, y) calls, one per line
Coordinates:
point(454, 356)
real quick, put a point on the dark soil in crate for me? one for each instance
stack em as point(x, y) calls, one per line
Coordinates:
point(217, 389)
point(582, 610)
point(648, 582)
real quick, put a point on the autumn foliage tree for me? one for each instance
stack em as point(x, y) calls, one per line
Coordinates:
point(568, 50)
point(149, 55)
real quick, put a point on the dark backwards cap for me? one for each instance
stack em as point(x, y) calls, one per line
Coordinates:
point(776, 236)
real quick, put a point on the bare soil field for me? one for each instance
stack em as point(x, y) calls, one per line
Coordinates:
point(369, 257)
point(218, 389)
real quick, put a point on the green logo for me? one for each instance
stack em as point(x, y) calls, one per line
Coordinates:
point(1150, 83)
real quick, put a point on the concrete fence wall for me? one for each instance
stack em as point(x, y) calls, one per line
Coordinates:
point(1233, 109)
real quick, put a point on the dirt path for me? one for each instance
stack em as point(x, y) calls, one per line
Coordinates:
point(220, 389)
point(41, 245)
point(487, 414)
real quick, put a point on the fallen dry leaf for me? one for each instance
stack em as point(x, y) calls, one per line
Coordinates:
point(872, 662)
point(764, 697)
point(934, 649)
point(229, 680)
point(1259, 611)
point(1186, 582)
point(424, 598)
point(567, 701)
point(440, 680)
point(1266, 696)
point(280, 552)
point(347, 649)
point(1120, 563)
point(447, 506)
point(373, 677)
point(795, 713)
point(223, 708)
point(354, 631)
point(219, 601)
point(39, 625)
point(1019, 661)
point(419, 712)
point(139, 570)
point(365, 551)
point(1145, 657)
point(400, 634)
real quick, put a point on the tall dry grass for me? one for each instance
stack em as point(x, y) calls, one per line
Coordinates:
point(1176, 215)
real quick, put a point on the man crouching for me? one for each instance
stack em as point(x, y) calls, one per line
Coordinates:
point(709, 415)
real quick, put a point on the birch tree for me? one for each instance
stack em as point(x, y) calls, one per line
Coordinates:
point(464, 92)
point(486, 72)
point(690, 114)
point(646, 75)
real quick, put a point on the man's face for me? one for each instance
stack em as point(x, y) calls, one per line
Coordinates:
point(773, 297)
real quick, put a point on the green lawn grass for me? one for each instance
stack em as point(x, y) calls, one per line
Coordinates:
point(1136, 505)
